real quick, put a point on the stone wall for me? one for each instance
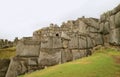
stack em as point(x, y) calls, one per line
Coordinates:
point(74, 39)
point(4, 64)
point(110, 26)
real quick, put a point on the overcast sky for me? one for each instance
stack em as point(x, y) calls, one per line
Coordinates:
point(19, 18)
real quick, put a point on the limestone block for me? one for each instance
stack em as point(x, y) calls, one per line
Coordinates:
point(95, 37)
point(82, 43)
point(103, 17)
point(76, 54)
point(99, 39)
point(82, 27)
point(112, 22)
point(66, 55)
point(92, 29)
point(65, 43)
point(106, 39)
point(16, 68)
point(4, 64)
point(57, 43)
point(90, 42)
point(117, 20)
point(49, 57)
point(115, 36)
point(32, 62)
point(116, 10)
point(104, 28)
point(85, 42)
point(27, 50)
point(108, 14)
point(48, 43)
point(101, 30)
point(83, 53)
point(73, 43)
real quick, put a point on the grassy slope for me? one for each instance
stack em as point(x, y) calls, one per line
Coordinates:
point(101, 64)
point(7, 53)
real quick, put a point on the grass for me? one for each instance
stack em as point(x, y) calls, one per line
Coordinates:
point(7, 53)
point(100, 64)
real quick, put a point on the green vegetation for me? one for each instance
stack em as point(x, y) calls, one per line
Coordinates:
point(7, 53)
point(105, 62)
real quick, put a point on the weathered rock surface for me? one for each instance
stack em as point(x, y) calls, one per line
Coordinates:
point(4, 64)
point(110, 26)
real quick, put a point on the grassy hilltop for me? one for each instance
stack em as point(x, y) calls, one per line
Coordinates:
point(105, 62)
point(7, 53)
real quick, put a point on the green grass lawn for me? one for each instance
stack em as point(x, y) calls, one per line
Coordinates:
point(7, 53)
point(103, 63)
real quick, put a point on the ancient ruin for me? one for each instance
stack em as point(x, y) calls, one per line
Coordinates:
point(4, 43)
point(72, 40)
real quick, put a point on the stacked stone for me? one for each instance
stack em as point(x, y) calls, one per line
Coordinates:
point(110, 26)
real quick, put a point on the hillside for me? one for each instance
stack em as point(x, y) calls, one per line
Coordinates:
point(105, 62)
point(7, 53)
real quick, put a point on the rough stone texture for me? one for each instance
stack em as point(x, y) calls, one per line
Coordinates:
point(116, 10)
point(27, 50)
point(16, 67)
point(76, 54)
point(117, 20)
point(110, 27)
point(57, 43)
point(99, 39)
point(66, 55)
point(4, 64)
point(112, 22)
point(32, 62)
point(115, 36)
point(49, 57)
point(73, 43)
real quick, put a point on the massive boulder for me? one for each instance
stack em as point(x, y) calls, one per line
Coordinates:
point(28, 48)
point(4, 64)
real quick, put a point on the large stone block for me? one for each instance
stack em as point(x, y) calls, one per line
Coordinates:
point(115, 36)
point(112, 22)
point(27, 50)
point(83, 53)
point(47, 43)
point(103, 18)
point(57, 43)
point(65, 43)
point(32, 62)
point(106, 28)
point(66, 55)
point(73, 43)
point(49, 57)
point(82, 43)
point(76, 54)
point(93, 29)
point(117, 20)
point(85, 42)
point(4, 64)
point(101, 30)
point(52, 42)
point(16, 68)
point(99, 39)
point(116, 10)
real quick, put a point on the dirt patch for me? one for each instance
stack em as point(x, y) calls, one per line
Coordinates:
point(116, 58)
